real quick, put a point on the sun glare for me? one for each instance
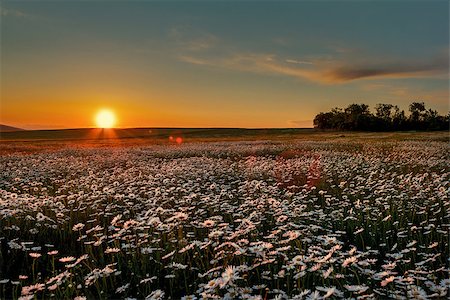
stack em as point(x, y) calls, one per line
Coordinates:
point(105, 119)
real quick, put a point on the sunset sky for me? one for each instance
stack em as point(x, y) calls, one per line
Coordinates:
point(218, 63)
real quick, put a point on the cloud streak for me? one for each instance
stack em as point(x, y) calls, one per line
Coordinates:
point(202, 48)
point(299, 62)
point(5, 12)
point(325, 73)
point(301, 123)
point(192, 40)
point(345, 73)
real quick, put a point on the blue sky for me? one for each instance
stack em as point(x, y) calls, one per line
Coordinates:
point(217, 63)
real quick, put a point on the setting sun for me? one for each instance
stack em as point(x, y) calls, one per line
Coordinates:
point(105, 119)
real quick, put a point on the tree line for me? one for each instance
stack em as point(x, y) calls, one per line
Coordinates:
point(387, 117)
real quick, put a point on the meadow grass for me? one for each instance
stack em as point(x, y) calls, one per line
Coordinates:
point(332, 215)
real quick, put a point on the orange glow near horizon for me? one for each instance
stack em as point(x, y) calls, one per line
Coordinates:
point(105, 119)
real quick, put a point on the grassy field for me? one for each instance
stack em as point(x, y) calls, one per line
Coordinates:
point(207, 134)
point(224, 213)
point(46, 140)
point(150, 133)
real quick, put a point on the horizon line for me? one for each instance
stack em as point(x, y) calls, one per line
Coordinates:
point(156, 127)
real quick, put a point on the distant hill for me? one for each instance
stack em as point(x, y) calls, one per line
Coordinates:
point(6, 128)
point(153, 134)
point(168, 136)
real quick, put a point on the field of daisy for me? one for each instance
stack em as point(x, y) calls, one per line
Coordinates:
point(341, 218)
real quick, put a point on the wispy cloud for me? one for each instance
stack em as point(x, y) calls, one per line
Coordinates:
point(192, 40)
point(299, 62)
point(203, 48)
point(328, 72)
point(390, 89)
point(257, 63)
point(7, 12)
point(409, 69)
point(301, 123)
point(193, 60)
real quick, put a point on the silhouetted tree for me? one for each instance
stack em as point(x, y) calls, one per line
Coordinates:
point(357, 117)
point(323, 121)
point(416, 109)
point(416, 117)
point(383, 116)
point(338, 118)
point(387, 117)
point(398, 119)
